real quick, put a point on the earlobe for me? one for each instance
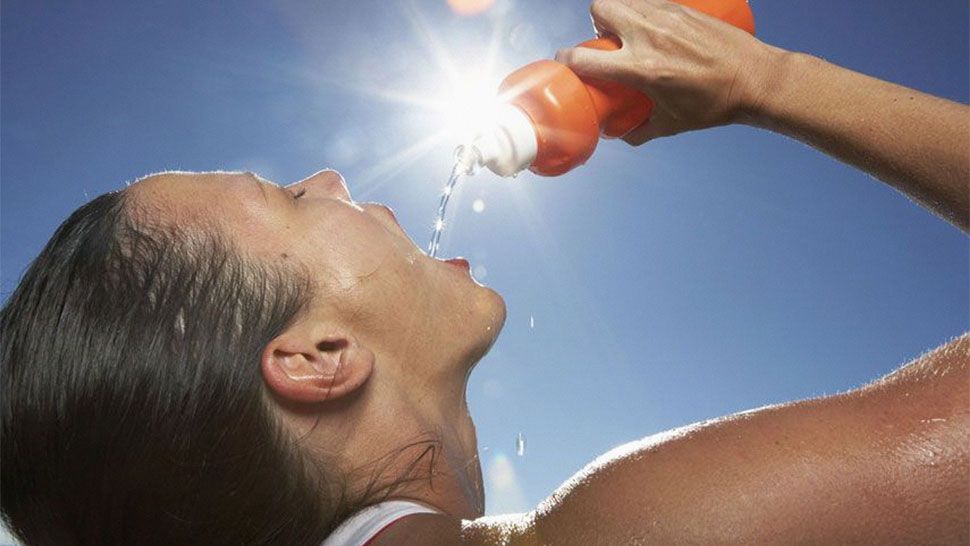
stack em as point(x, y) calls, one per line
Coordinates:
point(312, 369)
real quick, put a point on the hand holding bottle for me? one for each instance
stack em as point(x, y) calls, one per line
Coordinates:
point(699, 71)
point(552, 117)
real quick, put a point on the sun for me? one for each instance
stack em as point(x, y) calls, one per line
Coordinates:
point(456, 99)
point(468, 104)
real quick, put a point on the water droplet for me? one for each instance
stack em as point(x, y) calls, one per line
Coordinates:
point(479, 272)
point(520, 444)
point(478, 205)
point(532, 322)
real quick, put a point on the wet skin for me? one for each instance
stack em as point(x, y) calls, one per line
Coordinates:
point(408, 328)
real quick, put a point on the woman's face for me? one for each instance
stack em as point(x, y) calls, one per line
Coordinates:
point(368, 274)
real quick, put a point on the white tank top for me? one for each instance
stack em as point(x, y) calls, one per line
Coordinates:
point(360, 528)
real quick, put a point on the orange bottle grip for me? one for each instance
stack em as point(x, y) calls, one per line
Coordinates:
point(557, 103)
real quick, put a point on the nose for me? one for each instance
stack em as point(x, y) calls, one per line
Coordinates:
point(325, 183)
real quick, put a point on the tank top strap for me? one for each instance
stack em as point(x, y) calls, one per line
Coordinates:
point(361, 528)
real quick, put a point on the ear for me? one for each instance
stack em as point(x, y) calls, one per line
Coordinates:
point(305, 365)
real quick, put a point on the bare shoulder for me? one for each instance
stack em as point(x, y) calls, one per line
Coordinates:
point(945, 365)
point(502, 530)
point(795, 470)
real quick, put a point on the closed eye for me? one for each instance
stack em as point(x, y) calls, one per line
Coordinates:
point(299, 194)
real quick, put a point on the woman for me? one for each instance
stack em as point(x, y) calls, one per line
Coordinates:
point(214, 359)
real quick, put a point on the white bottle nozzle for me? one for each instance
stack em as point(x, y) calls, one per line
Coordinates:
point(506, 148)
point(467, 159)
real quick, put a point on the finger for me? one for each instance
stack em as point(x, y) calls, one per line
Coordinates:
point(612, 17)
point(653, 128)
point(642, 134)
point(598, 29)
point(595, 63)
point(651, 15)
point(644, 7)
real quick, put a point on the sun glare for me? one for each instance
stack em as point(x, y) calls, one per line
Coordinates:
point(470, 7)
point(469, 104)
point(459, 93)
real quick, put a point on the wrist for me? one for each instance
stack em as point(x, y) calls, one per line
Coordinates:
point(772, 71)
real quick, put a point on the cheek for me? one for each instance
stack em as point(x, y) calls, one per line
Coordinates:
point(348, 255)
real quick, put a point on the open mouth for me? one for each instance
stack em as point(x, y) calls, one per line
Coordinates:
point(459, 263)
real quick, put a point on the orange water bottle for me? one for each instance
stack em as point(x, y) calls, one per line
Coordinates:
point(552, 118)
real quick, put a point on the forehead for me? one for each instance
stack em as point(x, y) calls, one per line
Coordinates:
point(183, 197)
point(178, 186)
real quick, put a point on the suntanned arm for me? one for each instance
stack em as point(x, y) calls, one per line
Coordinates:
point(884, 464)
point(917, 143)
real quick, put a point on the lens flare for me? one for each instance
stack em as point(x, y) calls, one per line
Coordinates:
point(470, 7)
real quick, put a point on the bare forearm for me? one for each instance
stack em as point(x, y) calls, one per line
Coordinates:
point(917, 143)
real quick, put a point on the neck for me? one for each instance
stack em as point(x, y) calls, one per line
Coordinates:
point(455, 484)
point(416, 436)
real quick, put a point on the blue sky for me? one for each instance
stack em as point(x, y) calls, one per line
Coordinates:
point(686, 279)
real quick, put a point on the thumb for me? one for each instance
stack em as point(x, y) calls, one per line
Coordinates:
point(595, 63)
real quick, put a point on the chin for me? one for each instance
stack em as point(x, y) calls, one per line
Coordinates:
point(498, 310)
point(489, 320)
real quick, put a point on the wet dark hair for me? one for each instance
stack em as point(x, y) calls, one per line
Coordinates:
point(133, 408)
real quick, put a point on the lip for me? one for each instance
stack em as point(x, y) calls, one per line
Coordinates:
point(459, 262)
